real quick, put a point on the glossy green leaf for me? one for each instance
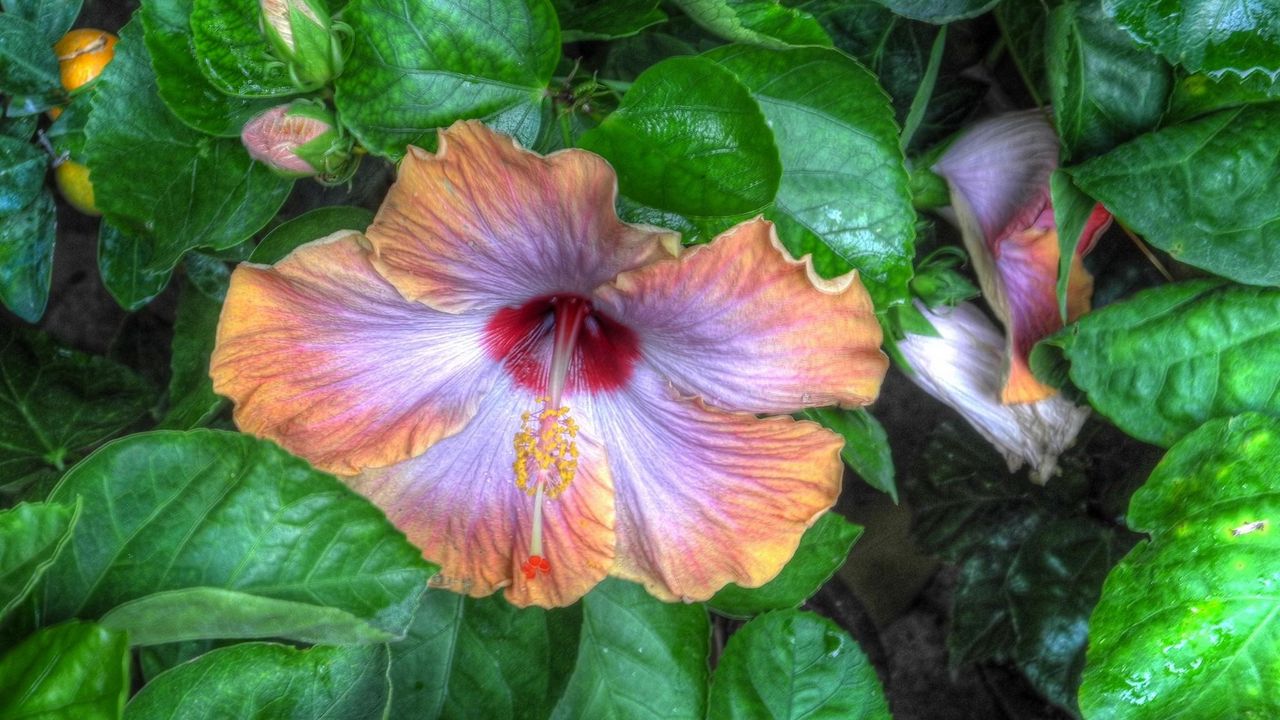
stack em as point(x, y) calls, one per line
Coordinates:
point(1187, 625)
point(214, 613)
point(822, 551)
point(1164, 361)
point(192, 402)
point(1022, 27)
point(639, 658)
point(1051, 588)
point(31, 536)
point(482, 658)
point(157, 178)
point(73, 671)
point(844, 194)
point(605, 19)
point(26, 256)
point(59, 403)
point(766, 23)
point(265, 681)
point(939, 11)
point(232, 51)
point(1195, 95)
point(123, 262)
point(22, 127)
point(27, 63)
point(789, 665)
point(689, 138)
point(1223, 216)
point(981, 621)
point(1214, 36)
point(1104, 88)
point(1071, 211)
point(22, 170)
point(866, 446)
point(52, 18)
point(175, 510)
point(209, 275)
point(180, 83)
point(309, 226)
point(66, 134)
point(407, 76)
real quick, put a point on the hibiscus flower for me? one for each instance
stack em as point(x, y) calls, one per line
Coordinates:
point(540, 395)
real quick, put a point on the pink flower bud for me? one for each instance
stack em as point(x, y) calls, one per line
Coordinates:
point(296, 140)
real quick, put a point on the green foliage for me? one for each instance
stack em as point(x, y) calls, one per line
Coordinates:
point(60, 403)
point(74, 670)
point(52, 18)
point(27, 238)
point(1163, 362)
point(313, 225)
point(822, 551)
point(407, 74)
point(866, 446)
point(844, 194)
point(1195, 95)
point(1213, 36)
point(1222, 217)
point(482, 658)
point(605, 19)
point(638, 658)
point(1187, 622)
point(791, 665)
point(170, 511)
point(27, 63)
point(756, 22)
point(270, 682)
point(1071, 211)
point(939, 11)
point(689, 138)
point(232, 52)
point(192, 402)
point(31, 536)
point(124, 259)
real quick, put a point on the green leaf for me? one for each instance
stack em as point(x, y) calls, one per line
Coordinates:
point(1022, 27)
point(789, 665)
point(689, 138)
point(1164, 361)
point(200, 613)
point(158, 178)
point(1104, 88)
point(406, 75)
point(1195, 95)
point(59, 403)
point(26, 256)
point(939, 12)
point(74, 670)
point(766, 23)
point(209, 275)
point(1187, 624)
point(175, 510)
point(1052, 586)
point(232, 51)
point(1223, 216)
point(31, 536)
point(844, 194)
point(605, 19)
point(981, 621)
point(192, 402)
point(866, 446)
point(52, 18)
point(481, 658)
point(638, 658)
point(27, 63)
point(180, 83)
point(271, 682)
point(22, 170)
point(1213, 36)
point(22, 127)
point(123, 259)
point(1071, 211)
point(822, 551)
point(309, 226)
point(66, 134)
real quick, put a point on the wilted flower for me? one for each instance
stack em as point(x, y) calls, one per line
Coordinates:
point(302, 34)
point(301, 139)
point(539, 395)
point(998, 172)
point(961, 368)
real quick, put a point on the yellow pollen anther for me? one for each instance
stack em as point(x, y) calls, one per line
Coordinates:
point(546, 454)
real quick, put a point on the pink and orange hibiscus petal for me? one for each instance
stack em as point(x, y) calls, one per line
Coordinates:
point(323, 356)
point(458, 503)
point(705, 497)
point(745, 327)
point(484, 223)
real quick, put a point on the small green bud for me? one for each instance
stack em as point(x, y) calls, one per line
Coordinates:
point(302, 34)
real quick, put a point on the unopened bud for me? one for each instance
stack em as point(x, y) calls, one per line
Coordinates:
point(301, 139)
point(302, 35)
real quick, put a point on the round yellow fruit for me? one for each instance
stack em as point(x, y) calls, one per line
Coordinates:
point(73, 182)
point(82, 54)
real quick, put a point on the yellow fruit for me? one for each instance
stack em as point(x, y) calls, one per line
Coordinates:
point(82, 53)
point(73, 181)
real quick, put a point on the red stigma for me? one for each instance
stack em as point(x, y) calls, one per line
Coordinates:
point(533, 565)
